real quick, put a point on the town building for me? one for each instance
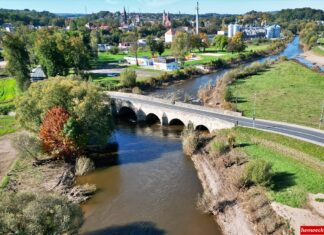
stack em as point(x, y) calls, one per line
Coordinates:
point(169, 35)
point(233, 29)
point(142, 61)
point(103, 47)
point(273, 31)
point(165, 64)
point(166, 20)
point(37, 74)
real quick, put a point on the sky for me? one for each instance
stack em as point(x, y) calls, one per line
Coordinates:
point(173, 6)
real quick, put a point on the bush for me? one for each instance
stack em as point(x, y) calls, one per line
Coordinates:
point(84, 166)
point(218, 147)
point(114, 50)
point(228, 94)
point(189, 140)
point(5, 109)
point(91, 119)
point(128, 77)
point(258, 172)
point(28, 145)
point(137, 90)
point(25, 213)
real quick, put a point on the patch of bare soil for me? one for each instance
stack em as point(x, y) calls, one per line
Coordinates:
point(7, 154)
point(314, 58)
point(297, 216)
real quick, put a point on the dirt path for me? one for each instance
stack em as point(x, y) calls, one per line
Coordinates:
point(7, 154)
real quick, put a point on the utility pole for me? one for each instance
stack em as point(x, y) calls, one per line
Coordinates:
point(322, 116)
point(197, 18)
point(254, 110)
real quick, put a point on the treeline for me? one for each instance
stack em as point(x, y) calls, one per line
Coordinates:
point(310, 33)
point(28, 17)
point(58, 52)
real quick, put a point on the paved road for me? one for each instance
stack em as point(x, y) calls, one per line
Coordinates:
point(295, 131)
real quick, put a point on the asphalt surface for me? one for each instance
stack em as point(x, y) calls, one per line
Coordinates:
point(295, 131)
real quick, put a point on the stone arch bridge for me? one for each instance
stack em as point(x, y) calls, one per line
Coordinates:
point(145, 108)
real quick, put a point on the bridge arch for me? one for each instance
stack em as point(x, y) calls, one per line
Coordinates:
point(152, 118)
point(202, 128)
point(127, 113)
point(176, 122)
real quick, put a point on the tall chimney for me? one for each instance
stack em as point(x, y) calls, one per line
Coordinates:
point(197, 19)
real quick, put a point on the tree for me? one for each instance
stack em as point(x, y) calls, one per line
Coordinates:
point(220, 42)
point(152, 44)
point(49, 55)
point(133, 40)
point(236, 43)
point(128, 77)
point(90, 119)
point(181, 45)
point(55, 142)
point(160, 48)
point(26, 213)
point(16, 54)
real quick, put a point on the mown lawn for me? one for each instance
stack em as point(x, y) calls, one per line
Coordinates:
point(7, 125)
point(293, 176)
point(287, 92)
point(7, 89)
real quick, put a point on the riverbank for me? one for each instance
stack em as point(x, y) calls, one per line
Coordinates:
point(293, 196)
point(314, 58)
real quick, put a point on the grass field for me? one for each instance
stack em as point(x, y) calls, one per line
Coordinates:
point(296, 164)
point(7, 89)
point(7, 125)
point(318, 50)
point(287, 92)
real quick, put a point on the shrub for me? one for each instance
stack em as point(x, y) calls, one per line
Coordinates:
point(189, 140)
point(114, 50)
point(128, 77)
point(218, 147)
point(231, 140)
point(51, 133)
point(258, 172)
point(228, 94)
point(91, 118)
point(5, 109)
point(25, 213)
point(137, 90)
point(84, 166)
point(28, 145)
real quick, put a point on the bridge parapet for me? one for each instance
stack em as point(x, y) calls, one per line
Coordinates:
point(167, 112)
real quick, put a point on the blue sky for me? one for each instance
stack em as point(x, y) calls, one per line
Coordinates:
point(185, 6)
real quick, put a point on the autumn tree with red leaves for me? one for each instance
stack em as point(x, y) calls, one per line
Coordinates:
point(52, 135)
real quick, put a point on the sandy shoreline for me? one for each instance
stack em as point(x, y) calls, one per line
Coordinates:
point(313, 58)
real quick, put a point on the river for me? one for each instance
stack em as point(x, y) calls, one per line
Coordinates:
point(152, 188)
point(190, 87)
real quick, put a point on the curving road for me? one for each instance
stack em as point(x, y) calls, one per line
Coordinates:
point(299, 132)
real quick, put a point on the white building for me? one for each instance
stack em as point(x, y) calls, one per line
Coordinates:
point(169, 35)
point(142, 61)
point(273, 31)
point(103, 47)
point(165, 64)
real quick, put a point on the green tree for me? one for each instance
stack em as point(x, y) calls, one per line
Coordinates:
point(236, 43)
point(181, 45)
point(90, 119)
point(128, 77)
point(220, 42)
point(152, 44)
point(160, 48)
point(132, 38)
point(18, 61)
point(26, 213)
point(50, 57)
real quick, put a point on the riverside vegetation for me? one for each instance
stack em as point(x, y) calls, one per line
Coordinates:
point(62, 118)
point(243, 170)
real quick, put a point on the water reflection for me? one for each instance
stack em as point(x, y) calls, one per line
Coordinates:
point(153, 182)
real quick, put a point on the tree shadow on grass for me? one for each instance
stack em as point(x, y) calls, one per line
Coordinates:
point(283, 180)
point(142, 228)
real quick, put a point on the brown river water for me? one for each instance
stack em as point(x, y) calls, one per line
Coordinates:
point(151, 189)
